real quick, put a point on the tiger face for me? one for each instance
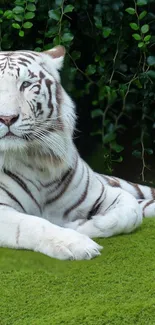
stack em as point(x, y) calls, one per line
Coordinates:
point(35, 111)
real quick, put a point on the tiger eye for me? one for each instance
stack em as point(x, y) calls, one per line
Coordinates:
point(25, 84)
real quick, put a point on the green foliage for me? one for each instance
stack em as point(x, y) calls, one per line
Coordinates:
point(110, 61)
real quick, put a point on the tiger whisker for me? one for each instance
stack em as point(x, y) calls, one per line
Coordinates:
point(50, 142)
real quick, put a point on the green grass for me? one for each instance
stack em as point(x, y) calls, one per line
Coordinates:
point(116, 288)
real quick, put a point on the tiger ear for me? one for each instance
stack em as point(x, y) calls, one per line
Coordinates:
point(57, 54)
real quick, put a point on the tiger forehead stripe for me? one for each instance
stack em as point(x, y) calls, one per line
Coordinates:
point(32, 74)
point(41, 75)
point(29, 54)
point(6, 54)
point(24, 60)
point(18, 57)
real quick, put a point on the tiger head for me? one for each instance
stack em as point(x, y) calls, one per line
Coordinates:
point(35, 111)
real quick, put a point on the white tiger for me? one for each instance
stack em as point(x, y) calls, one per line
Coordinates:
point(50, 200)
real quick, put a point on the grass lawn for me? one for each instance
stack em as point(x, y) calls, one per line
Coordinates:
point(116, 288)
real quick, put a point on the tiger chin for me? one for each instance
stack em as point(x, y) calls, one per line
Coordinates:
point(51, 201)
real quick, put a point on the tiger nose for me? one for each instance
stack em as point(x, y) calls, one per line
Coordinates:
point(8, 120)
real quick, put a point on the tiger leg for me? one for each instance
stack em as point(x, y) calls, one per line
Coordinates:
point(19, 230)
point(120, 213)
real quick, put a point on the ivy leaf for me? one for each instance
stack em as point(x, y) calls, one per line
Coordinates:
point(141, 44)
point(58, 2)
point(138, 83)
point(130, 11)
point(141, 3)
point(67, 37)
point(39, 41)
point(96, 113)
point(48, 46)
point(27, 25)
point(75, 55)
point(91, 69)
point(109, 137)
point(31, 7)
point(137, 153)
point(137, 37)
point(151, 60)
point(134, 26)
point(37, 49)
point(142, 14)
point(18, 18)
point(19, 2)
point(98, 22)
point(149, 151)
point(8, 14)
point(29, 15)
point(18, 10)
point(68, 8)
point(120, 159)
point(116, 147)
point(147, 38)
point(106, 31)
point(16, 26)
point(54, 14)
point(21, 33)
point(151, 74)
point(52, 32)
point(145, 28)
point(56, 41)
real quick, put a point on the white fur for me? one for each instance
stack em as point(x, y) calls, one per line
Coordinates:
point(50, 229)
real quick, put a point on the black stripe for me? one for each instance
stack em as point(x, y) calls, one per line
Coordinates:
point(30, 181)
point(22, 63)
point(147, 204)
point(140, 201)
point(38, 88)
point(24, 60)
point(139, 192)
point(5, 204)
point(32, 74)
point(12, 197)
point(23, 185)
point(153, 192)
point(48, 83)
point(39, 110)
point(65, 181)
point(82, 198)
point(114, 201)
point(95, 208)
point(29, 54)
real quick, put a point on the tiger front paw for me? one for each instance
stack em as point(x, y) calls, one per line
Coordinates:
point(68, 244)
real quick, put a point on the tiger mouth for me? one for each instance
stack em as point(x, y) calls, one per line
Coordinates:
point(10, 135)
